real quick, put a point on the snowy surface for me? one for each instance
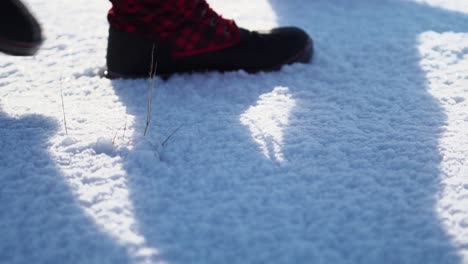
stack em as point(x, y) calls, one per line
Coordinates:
point(359, 157)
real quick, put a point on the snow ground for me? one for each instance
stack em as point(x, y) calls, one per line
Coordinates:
point(360, 157)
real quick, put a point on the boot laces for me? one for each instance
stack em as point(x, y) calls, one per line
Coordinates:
point(214, 19)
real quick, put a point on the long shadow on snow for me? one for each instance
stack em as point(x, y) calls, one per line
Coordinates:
point(372, 131)
point(361, 174)
point(40, 221)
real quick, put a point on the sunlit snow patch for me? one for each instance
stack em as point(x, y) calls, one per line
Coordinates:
point(454, 5)
point(90, 161)
point(267, 121)
point(445, 62)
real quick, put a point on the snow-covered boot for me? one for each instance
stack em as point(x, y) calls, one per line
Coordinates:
point(20, 33)
point(187, 36)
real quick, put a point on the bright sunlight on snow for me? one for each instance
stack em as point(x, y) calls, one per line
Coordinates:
point(267, 119)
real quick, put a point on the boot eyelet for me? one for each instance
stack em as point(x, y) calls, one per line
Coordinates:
point(203, 13)
point(213, 22)
point(227, 32)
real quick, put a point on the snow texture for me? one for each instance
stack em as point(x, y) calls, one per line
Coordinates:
point(359, 157)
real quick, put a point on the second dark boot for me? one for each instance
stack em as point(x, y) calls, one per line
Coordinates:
point(20, 33)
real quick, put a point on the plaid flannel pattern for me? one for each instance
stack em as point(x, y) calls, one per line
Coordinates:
point(190, 26)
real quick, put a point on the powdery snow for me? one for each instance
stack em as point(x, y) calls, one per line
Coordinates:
point(360, 157)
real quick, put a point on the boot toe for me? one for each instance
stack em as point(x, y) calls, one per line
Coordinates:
point(295, 44)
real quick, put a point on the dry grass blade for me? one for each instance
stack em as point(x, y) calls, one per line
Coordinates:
point(63, 107)
point(170, 136)
point(125, 128)
point(152, 74)
point(115, 136)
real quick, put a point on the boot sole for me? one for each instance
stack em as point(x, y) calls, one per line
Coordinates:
point(303, 56)
point(18, 48)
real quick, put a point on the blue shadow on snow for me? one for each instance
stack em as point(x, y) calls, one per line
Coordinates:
point(40, 220)
point(361, 177)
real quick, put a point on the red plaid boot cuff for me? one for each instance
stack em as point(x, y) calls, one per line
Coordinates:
point(190, 27)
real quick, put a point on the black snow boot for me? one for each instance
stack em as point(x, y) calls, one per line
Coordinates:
point(130, 56)
point(189, 36)
point(20, 33)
